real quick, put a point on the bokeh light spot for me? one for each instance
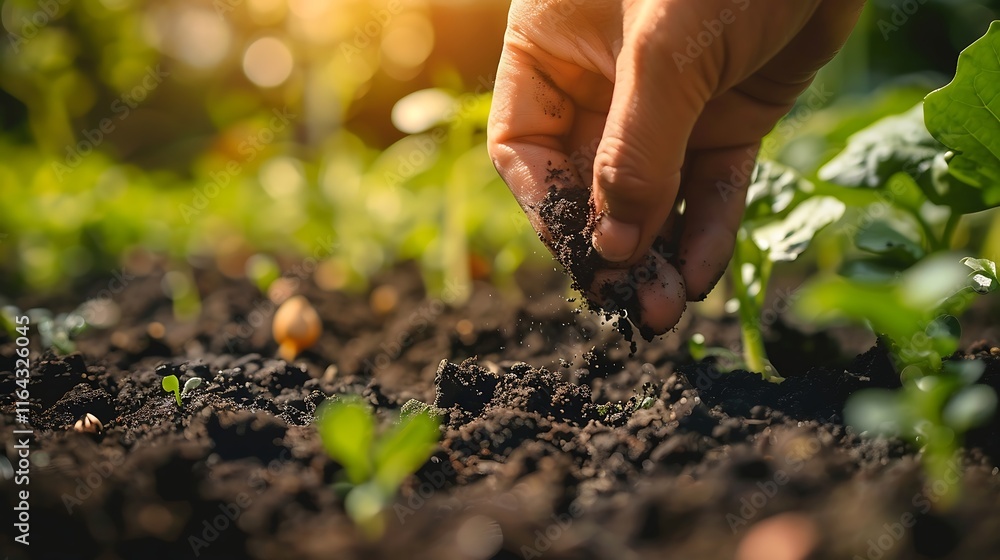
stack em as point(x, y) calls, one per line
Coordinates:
point(268, 62)
point(408, 41)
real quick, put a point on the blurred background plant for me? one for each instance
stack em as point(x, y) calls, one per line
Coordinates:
point(246, 134)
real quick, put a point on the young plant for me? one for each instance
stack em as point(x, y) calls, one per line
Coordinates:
point(56, 332)
point(374, 464)
point(782, 217)
point(172, 385)
point(928, 167)
point(915, 316)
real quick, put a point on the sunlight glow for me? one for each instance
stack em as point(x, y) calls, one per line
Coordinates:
point(268, 62)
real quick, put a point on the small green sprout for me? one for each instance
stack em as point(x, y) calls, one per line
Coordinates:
point(782, 217)
point(916, 316)
point(55, 331)
point(375, 464)
point(172, 385)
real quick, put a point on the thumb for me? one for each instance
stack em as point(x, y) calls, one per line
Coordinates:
point(659, 93)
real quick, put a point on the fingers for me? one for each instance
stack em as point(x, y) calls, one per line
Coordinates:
point(655, 104)
point(715, 189)
point(816, 44)
point(650, 294)
point(528, 119)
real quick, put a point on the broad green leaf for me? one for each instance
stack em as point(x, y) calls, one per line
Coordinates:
point(881, 238)
point(773, 188)
point(404, 449)
point(966, 371)
point(972, 406)
point(831, 299)
point(930, 282)
point(894, 144)
point(902, 144)
point(347, 429)
point(869, 270)
point(984, 274)
point(965, 116)
point(786, 239)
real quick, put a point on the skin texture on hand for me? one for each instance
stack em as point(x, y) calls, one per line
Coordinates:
point(648, 103)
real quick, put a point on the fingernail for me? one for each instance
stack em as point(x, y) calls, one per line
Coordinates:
point(614, 240)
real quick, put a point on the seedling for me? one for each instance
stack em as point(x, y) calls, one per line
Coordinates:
point(374, 465)
point(781, 219)
point(56, 332)
point(927, 166)
point(296, 327)
point(915, 316)
point(172, 385)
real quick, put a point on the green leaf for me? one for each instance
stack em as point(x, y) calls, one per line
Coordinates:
point(191, 385)
point(404, 449)
point(902, 144)
point(773, 188)
point(943, 334)
point(881, 238)
point(984, 274)
point(930, 282)
point(786, 239)
point(879, 411)
point(170, 384)
point(965, 116)
point(869, 270)
point(830, 299)
point(972, 406)
point(347, 429)
point(894, 144)
point(966, 371)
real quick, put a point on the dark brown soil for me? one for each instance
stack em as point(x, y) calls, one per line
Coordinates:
point(569, 216)
point(557, 444)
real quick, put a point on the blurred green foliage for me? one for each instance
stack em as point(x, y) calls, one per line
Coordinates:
point(214, 131)
point(136, 127)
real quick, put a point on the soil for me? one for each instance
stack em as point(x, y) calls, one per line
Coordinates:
point(570, 218)
point(557, 443)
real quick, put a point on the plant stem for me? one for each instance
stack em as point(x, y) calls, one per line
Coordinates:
point(932, 239)
point(754, 353)
point(949, 230)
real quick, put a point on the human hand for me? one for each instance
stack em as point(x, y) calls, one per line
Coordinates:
point(637, 105)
